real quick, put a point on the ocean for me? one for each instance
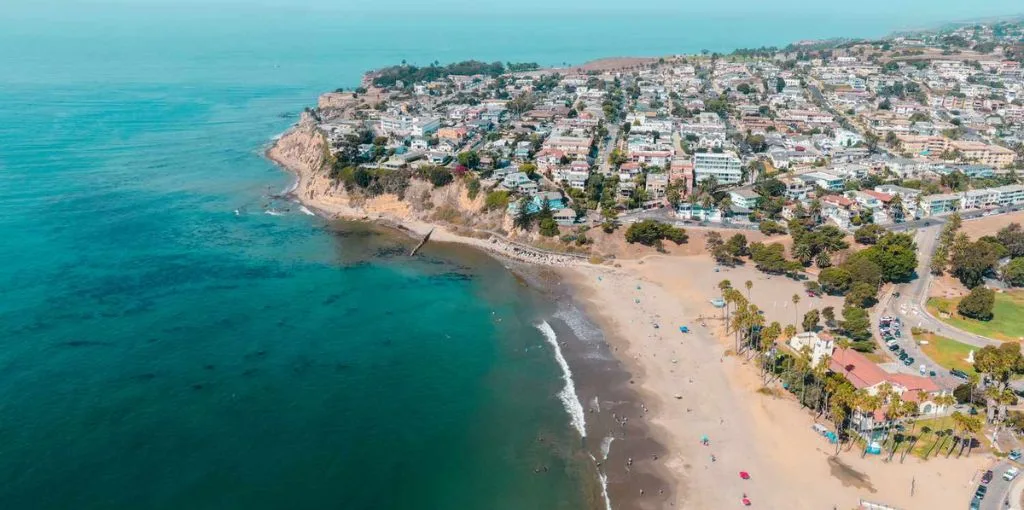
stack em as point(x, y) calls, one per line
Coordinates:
point(172, 337)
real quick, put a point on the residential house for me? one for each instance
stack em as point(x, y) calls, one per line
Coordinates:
point(657, 185)
point(744, 197)
point(824, 180)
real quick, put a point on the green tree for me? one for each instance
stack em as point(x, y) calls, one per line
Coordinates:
point(856, 323)
point(896, 256)
point(861, 295)
point(970, 262)
point(469, 159)
point(1012, 237)
point(868, 234)
point(524, 218)
point(835, 280)
point(829, 315)
point(647, 232)
point(548, 227)
point(1013, 273)
point(863, 269)
point(811, 319)
point(978, 304)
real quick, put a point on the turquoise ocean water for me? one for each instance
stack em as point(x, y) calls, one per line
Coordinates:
point(158, 350)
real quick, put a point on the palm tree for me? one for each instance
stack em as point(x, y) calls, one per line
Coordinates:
point(972, 425)
point(724, 286)
point(925, 430)
point(725, 205)
point(796, 313)
point(803, 252)
point(823, 260)
point(815, 210)
point(749, 285)
point(958, 423)
point(896, 206)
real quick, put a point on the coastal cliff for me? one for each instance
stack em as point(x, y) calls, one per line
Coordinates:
point(303, 150)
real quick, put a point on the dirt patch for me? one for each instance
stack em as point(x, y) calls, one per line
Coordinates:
point(848, 476)
point(990, 225)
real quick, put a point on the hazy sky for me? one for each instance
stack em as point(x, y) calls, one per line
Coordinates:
point(926, 10)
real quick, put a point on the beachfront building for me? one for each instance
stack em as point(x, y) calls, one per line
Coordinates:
point(744, 197)
point(943, 203)
point(725, 167)
point(865, 375)
point(817, 345)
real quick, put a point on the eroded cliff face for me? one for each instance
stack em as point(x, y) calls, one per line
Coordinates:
point(303, 150)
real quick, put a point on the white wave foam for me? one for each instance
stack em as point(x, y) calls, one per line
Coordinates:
point(603, 478)
point(568, 394)
point(273, 212)
point(604, 490)
point(606, 446)
point(306, 211)
point(291, 187)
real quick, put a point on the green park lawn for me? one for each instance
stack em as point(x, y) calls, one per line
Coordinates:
point(1007, 323)
point(947, 353)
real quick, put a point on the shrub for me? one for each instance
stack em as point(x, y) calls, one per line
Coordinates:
point(438, 176)
point(496, 200)
point(473, 188)
point(978, 304)
point(548, 227)
point(769, 227)
point(648, 232)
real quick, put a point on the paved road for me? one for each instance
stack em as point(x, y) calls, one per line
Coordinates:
point(998, 489)
point(911, 304)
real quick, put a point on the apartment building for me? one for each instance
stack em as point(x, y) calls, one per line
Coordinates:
point(725, 167)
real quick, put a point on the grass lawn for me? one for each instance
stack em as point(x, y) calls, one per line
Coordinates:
point(1007, 323)
point(947, 353)
point(928, 440)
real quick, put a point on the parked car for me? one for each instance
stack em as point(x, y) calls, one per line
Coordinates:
point(1014, 455)
point(987, 477)
point(1011, 473)
point(956, 372)
point(975, 504)
point(980, 492)
point(894, 347)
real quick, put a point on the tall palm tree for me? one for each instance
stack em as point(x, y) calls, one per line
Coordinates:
point(972, 425)
point(725, 205)
point(803, 252)
point(796, 312)
point(925, 430)
point(749, 285)
point(896, 206)
point(815, 210)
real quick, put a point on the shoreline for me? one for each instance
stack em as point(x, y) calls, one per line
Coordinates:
point(693, 385)
point(600, 380)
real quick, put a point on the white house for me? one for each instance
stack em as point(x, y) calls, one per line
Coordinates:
point(818, 345)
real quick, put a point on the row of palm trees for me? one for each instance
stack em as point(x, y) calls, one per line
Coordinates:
point(831, 394)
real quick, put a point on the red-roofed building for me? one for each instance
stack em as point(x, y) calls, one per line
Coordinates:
point(865, 375)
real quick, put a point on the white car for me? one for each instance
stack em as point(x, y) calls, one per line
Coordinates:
point(1011, 473)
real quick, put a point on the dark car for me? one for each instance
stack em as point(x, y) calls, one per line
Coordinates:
point(956, 372)
point(987, 477)
point(894, 347)
point(980, 493)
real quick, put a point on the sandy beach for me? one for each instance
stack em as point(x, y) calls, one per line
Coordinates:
point(686, 385)
point(693, 386)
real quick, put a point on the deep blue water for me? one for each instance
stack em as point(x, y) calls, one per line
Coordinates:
point(159, 351)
